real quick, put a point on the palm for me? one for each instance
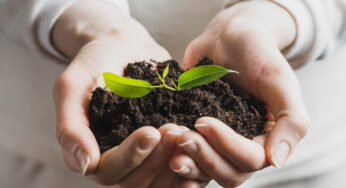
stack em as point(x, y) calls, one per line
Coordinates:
point(264, 72)
point(72, 93)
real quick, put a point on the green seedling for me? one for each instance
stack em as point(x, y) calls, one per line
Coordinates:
point(133, 88)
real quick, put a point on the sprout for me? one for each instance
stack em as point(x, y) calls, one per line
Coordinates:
point(127, 87)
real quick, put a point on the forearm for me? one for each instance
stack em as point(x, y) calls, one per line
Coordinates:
point(86, 21)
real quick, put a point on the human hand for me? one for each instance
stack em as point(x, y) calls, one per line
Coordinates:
point(107, 45)
point(248, 37)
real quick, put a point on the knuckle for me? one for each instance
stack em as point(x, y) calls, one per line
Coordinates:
point(269, 71)
point(301, 125)
point(62, 83)
point(210, 164)
point(61, 135)
point(135, 159)
point(191, 135)
point(137, 155)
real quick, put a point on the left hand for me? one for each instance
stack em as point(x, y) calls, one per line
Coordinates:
point(98, 38)
point(247, 37)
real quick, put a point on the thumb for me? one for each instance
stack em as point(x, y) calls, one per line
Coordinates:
point(80, 149)
point(289, 129)
point(279, 88)
point(193, 54)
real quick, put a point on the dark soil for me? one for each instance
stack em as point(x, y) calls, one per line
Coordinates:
point(113, 118)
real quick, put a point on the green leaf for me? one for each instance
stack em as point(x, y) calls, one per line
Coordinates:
point(201, 75)
point(165, 72)
point(126, 87)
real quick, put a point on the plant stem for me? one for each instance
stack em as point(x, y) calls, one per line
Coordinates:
point(170, 88)
point(164, 86)
point(163, 83)
point(175, 85)
point(162, 80)
point(161, 86)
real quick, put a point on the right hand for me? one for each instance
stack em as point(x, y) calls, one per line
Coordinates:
point(247, 37)
point(142, 159)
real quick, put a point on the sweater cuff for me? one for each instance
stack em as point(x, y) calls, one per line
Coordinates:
point(229, 3)
point(297, 53)
point(50, 11)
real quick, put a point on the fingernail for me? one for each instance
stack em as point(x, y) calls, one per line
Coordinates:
point(201, 125)
point(184, 129)
point(169, 138)
point(189, 146)
point(173, 133)
point(83, 160)
point(280, 154)
point(148, 142)
point(203, 128)
point(183, 170)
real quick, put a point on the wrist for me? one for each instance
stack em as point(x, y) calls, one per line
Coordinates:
point(87, 21)
point(265, 18)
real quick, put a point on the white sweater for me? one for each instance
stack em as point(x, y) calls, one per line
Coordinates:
point(321, 30)
point(320, 24)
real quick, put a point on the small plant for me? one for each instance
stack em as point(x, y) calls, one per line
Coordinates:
point(127, 87)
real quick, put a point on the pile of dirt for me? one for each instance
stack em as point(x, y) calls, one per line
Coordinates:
point(113, 118)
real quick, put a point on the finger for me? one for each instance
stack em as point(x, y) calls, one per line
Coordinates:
point(269, 115)
point(183, 128)
point(184, 166)
point(193, 54)
point(80, 149)
point(157, 162)
point(247, 155)
point(289, 129)
point(268, 126)
point(217, 167)
point(166, 179)
point(116, 163)
point(261, 140)
point(188, 183)
point(279, 88)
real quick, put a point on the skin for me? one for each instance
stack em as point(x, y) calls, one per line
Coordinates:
point(99, 37)
point(247, 37)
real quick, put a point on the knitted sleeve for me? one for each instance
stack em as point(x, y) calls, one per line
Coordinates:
point(29, 22)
